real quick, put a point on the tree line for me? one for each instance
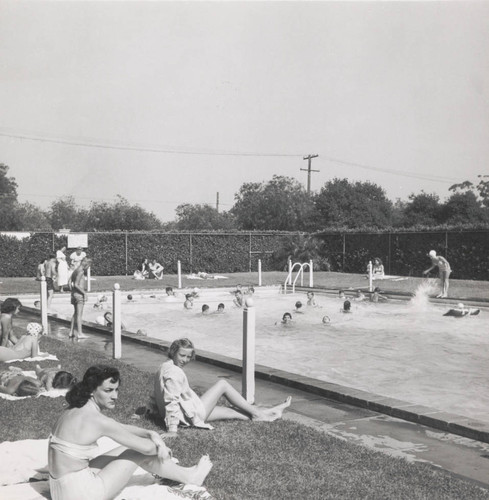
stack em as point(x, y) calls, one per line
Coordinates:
point(280, 204)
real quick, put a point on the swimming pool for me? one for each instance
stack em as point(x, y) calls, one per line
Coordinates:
point(408, 351)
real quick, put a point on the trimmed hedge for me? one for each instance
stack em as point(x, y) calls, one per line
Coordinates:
point(403, 253)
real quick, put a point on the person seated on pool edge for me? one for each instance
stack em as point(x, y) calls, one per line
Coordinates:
point(346, 307)
point(178, 404)
point(377, 268)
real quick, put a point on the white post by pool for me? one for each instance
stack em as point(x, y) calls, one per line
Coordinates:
point(179, 270)
point(116, 321)
point(290, 272)
point(44, 306)
point(89, 275)
point(370, 277)
point(259, 272)
point(311, 279)
point(248, 376)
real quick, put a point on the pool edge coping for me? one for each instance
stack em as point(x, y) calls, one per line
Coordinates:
point(431, 417)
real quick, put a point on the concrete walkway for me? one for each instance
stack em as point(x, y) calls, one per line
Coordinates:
point(460, 456)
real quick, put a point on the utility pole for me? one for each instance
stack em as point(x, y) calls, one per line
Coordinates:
point(217, 201)
point(309, 170)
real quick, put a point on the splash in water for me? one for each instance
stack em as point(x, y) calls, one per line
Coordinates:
point(420, 300)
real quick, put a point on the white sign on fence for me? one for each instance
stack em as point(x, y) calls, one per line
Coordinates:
point(76, 240)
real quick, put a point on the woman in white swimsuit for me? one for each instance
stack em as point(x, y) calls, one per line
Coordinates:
point(76, 473)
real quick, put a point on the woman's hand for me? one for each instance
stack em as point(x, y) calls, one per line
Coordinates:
point(163, 452)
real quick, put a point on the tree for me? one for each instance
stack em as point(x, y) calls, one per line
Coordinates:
point(29, 217)
point(120, 215)
point(8, 199)
point(195, 217)
point(481, 190)
point(464, 208)
point(279, 204)
point(64, 213)
point(422, 209)
point(353, 205)
point(302, 249)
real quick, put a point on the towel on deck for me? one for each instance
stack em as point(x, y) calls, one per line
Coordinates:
point(26, 460)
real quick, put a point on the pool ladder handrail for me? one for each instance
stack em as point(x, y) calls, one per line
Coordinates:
point(300, 273)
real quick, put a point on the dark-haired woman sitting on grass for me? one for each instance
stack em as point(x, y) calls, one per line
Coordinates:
point(76, 473)
point(178, 404)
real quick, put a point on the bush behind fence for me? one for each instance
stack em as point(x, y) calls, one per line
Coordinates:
point(119, 253)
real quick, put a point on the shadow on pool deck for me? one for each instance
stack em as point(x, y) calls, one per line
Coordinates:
point(346, 413)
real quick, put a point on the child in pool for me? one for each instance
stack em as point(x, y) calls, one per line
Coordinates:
point(220, 308)
point(286, 319)
point(298, 307)
point(189, 301)
point(377, 297)
point(205, 309)
point(346, 307)
point(238, 298)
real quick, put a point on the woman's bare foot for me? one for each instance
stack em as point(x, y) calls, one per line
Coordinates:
point(274, 413)
point(200, 471)
point(81, 337)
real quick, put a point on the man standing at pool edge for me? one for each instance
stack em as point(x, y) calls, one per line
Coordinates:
point(444, 271)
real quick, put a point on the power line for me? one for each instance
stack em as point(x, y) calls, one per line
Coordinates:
point(147, 149)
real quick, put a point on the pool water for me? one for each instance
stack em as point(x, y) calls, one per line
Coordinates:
point(408, 351)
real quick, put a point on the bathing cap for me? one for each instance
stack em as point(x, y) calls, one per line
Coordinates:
point(432, 253)
point(460, 305)
point(34, 329)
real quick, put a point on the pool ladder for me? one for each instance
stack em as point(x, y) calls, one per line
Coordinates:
point(300, 272)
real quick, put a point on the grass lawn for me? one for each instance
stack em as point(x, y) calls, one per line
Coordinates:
point(281, 460)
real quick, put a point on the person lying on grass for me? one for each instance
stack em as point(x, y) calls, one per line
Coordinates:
point(15, 383)
point(26, 347)
point(75, 473)
point(177, 403)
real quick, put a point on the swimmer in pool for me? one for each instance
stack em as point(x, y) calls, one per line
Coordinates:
point(326, 320)
point(346, 307)
point(377, 297)
point(311, 300)
point(238, 298)
point(205, 309)
point(341, 294)
point(460, 311)
point(286, 319)
point(169, 291)
point(189, 301)
point(298, 307)
point(220, 308)
point(360, 296)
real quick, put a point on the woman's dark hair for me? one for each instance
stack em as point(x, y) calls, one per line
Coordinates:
point(94, 377)
point(298, 304)
point(9, 305)
point(176, 344)
point(28, 387)
point(205, 307)
point(287, 314)
point(346, 305)
point(63, 380)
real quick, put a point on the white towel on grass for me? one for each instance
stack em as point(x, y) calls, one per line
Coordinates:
point(27, 459)
point(46, 357)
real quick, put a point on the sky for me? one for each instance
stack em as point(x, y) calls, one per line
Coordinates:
point(167, 103)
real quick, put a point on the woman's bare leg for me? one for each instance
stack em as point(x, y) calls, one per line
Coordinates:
point(79, 320)
point(243, 408)
point(118, 465)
